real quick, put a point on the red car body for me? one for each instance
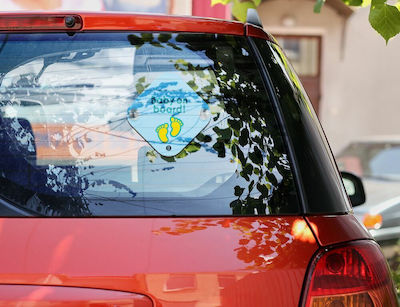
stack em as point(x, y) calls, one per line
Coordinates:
point(164, 261)
point(202, 260)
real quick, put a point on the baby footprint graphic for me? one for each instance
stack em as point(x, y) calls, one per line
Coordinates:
point(162, 132)
point(176, 125)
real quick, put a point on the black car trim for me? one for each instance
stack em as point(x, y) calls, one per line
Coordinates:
point(266, 78)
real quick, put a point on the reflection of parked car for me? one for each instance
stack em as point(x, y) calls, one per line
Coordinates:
point(169, 161)
point(377, 161)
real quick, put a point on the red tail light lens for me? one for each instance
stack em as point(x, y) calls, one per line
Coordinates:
point(354, 275)
point(40, 22)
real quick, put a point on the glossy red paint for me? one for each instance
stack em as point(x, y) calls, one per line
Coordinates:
point(334, 229)
point(139, 22)
point(23, 295)
point(212, 261)
point(125, 22)
point(155, 23)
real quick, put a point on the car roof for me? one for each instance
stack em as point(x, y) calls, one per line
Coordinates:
point(122, 21)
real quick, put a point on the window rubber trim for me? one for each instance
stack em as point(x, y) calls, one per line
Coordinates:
point(266, 78)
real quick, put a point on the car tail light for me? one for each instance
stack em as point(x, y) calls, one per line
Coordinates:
point(40, 22)
point(354, 275)
point(372, 221)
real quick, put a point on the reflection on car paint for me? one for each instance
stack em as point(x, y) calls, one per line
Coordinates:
point(242, 254)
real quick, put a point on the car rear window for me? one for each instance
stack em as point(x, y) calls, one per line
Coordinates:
point(137, 124)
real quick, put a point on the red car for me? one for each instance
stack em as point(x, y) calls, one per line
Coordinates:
point(169, 161)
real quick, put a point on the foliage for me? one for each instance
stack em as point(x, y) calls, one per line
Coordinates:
point(241, 130)
point(244, 133)
point(260, 241)
point(383, 17)
point(396, 279)
point(394, 265)
point(239, 7)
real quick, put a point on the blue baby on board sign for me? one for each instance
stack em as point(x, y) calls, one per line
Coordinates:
point(169, 114)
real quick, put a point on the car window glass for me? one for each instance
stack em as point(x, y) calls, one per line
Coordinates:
point(323, 190)
point(135, 124)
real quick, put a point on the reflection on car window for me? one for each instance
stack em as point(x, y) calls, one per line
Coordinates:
point(324, 191)
point(136, 124)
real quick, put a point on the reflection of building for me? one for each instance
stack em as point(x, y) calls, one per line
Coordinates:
point(153, 6)
point(180, 7)
point(199, 8)
point(339, 59)
point(16, 5)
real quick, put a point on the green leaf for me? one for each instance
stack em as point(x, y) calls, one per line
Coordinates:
point(239, 9)
point(353, 2)
point(241, 157)
point(263, 189)
point(139, 88)
point(204, 138)
point(224, 134)
point(385, 19)
point(236, 206)
point(235, 124)
point(147, 37)
point(168, 159)
point(272, 179)
point(174, 46)
point(238, 191)
point(234, 150)
point(156, 44)
point(181, 155)
point(208, 88)
point(164, 37)
point(318, 6)
point(193, 147)
point(251, 186)
point(151, 155)
point(256, 156)
point(219, 147)
point(247, 171)
point(244, 137)
point(135, 40)
point(224, 2)
point(366, 3)
point(200, 73)
point(193, 85)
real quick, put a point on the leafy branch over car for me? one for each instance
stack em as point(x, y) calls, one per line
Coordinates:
point(383, 17)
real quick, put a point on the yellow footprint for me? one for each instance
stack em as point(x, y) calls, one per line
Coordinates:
point(176, 125)
point(162, 132)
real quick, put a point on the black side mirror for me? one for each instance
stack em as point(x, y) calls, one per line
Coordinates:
point(354, 188)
